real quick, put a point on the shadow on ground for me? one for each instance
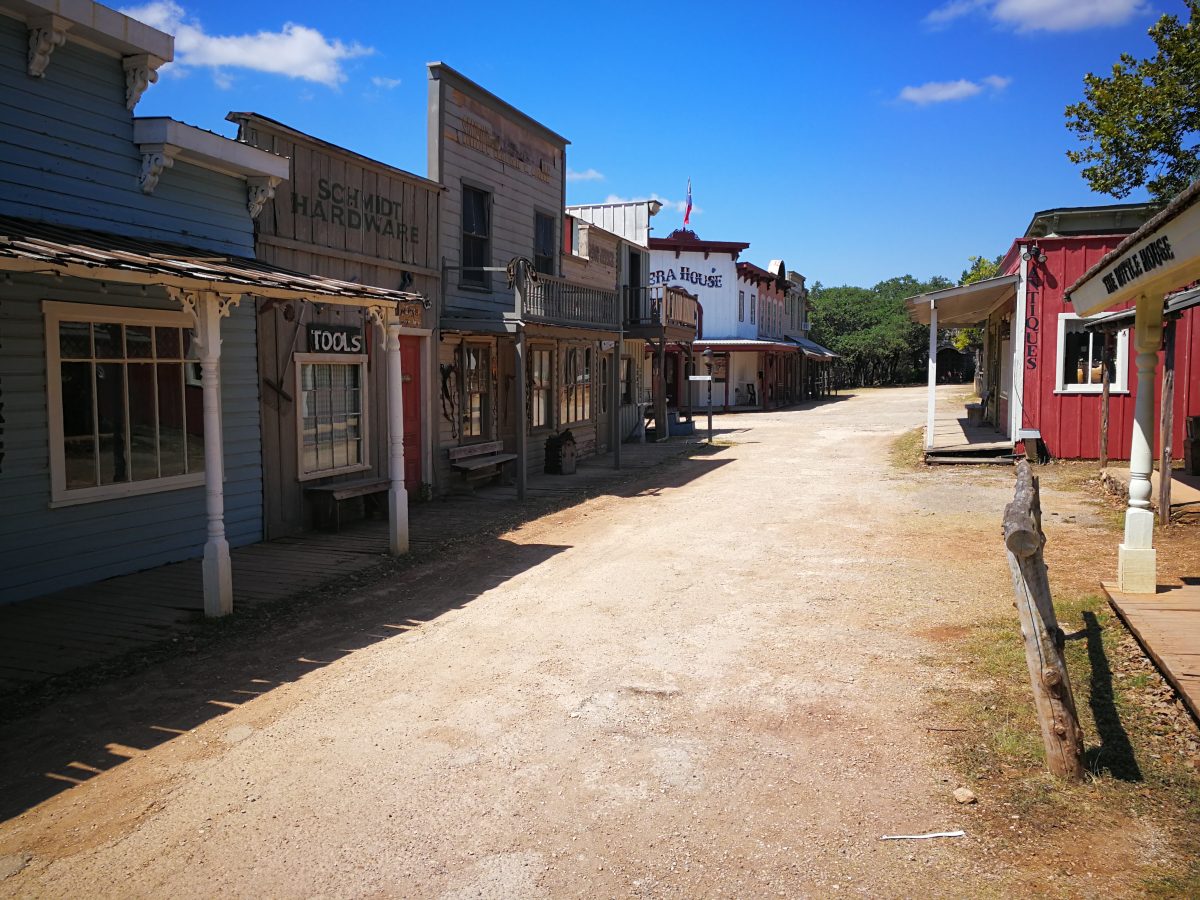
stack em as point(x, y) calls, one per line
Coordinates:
point(74, 738)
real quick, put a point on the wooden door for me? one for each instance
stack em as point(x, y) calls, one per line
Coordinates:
point(410, 366)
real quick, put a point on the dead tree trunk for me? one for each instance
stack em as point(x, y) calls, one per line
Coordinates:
point(1052, 697)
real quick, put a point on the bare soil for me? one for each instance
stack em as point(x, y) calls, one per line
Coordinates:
point(727, 684)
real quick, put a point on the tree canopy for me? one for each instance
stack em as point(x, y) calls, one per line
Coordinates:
point(870, 330)
point(1141, 126)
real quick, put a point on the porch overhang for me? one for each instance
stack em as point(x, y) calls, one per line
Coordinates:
point(43, 249)
point(812, 349)
point(968, 304)
point(1161, 256)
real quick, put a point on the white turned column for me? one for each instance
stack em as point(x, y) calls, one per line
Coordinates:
point(397, 495)
point(931, 413)
point(1136, 563)
point(217, 569)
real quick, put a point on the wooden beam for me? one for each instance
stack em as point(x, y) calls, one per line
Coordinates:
point(1166, 424)
point(1105, 395)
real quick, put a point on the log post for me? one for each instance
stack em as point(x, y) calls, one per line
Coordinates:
point(1166, 424)
point(1023, 540)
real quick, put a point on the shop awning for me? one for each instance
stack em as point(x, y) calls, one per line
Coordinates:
point(812, 349)
point(969, 304)
point(45, 249)
point(742, 344)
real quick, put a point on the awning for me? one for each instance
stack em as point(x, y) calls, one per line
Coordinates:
point(41, 248)
point(737, 344)
point(1122, 319)
point(812, 349)
point(969, 304)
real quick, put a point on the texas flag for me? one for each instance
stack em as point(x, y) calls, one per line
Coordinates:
point(687, 212)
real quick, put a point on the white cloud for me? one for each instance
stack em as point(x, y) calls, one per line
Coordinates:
point(588, 175)
point(1042, 15)
point(386, 84)
point(678, 205)
point(946, 91)
point(295, 51)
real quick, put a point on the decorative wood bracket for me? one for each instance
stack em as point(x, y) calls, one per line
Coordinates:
point(259, 189)
point(45, 34)
point(206, 309)
point(140, 73)
point(155, 160)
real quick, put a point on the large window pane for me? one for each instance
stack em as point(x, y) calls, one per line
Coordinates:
point(331, 406)
point(167, 344)
point(110, 413)
point(79, 442)
point(194, 427)
point(172, 450)
point(139, 341)
point(143, 420)
point(110, 341)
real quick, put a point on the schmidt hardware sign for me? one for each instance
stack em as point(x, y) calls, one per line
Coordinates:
point(1165, 259)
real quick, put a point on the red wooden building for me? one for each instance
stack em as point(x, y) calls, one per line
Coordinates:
point(1042, 370)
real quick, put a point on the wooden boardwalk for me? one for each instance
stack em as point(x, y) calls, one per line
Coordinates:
point(67, 630)
point(1167, 625)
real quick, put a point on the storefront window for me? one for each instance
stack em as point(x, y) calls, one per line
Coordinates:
point(575, 404)
point(626, 381)
point(125, 400)
point(1081, 355)
point(332, 419)
point(541, 388)
point(477, 383)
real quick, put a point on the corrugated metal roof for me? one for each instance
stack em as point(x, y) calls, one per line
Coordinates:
point(38, 247)
point(812, 349)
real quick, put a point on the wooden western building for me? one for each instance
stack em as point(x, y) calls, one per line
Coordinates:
point(1046, 378)
point(660, 321)
point(129, 310)
point(323, 372)
point(524, 351)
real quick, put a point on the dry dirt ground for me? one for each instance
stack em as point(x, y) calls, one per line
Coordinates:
point(719, 686)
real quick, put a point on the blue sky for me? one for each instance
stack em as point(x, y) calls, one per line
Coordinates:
point(855, 141)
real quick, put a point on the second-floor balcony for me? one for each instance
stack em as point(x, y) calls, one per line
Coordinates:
point(659, 308)
point(555, 301)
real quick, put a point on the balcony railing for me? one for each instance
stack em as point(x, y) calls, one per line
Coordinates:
point(556, 301)
point(658, 306)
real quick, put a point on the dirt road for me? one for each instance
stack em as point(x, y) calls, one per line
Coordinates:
point(717, 687)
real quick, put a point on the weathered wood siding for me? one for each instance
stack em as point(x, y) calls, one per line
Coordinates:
point(44, 549)
point(67, 156)
point(478, 140)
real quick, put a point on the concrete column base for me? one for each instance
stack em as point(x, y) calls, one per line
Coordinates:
point(398, 520)
point(218, 579)
point(1137, 571)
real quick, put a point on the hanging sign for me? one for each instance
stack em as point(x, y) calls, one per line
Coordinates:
point(335, 339)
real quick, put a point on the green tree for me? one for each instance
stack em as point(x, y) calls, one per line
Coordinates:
point(981, 268)
point(1139, 127)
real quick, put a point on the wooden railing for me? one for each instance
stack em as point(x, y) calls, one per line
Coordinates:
point(556, 301)
point(659, 305)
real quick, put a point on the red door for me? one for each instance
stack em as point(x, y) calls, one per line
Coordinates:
point(410, 365)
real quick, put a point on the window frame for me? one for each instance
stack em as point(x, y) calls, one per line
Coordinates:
point(548, 391)
point(1120, 381)
point(753, 305)
point(488, 396)
point(53, 313)
point(741, 306)
point(299, 360)
point(467, 280)
point(551, 256)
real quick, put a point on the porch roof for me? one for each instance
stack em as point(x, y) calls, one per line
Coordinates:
point(47, 249)
point(967, 304)
point(742, 344)
point(1172, 308)
point(812, 349)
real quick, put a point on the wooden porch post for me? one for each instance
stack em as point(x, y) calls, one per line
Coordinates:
point(931, 411)
point(397, 495)
point(208, 309)
point(660, 391)
point(521, 417)
point(1166, 424)
point(1105, 395)
point(614, 406)
point(1136, 558)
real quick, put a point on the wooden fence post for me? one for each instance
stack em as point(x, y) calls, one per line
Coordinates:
point(1052, 697)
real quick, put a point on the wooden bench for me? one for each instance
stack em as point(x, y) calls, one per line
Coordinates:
point(977, 411)
point(327, 498)
point(479, 462)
